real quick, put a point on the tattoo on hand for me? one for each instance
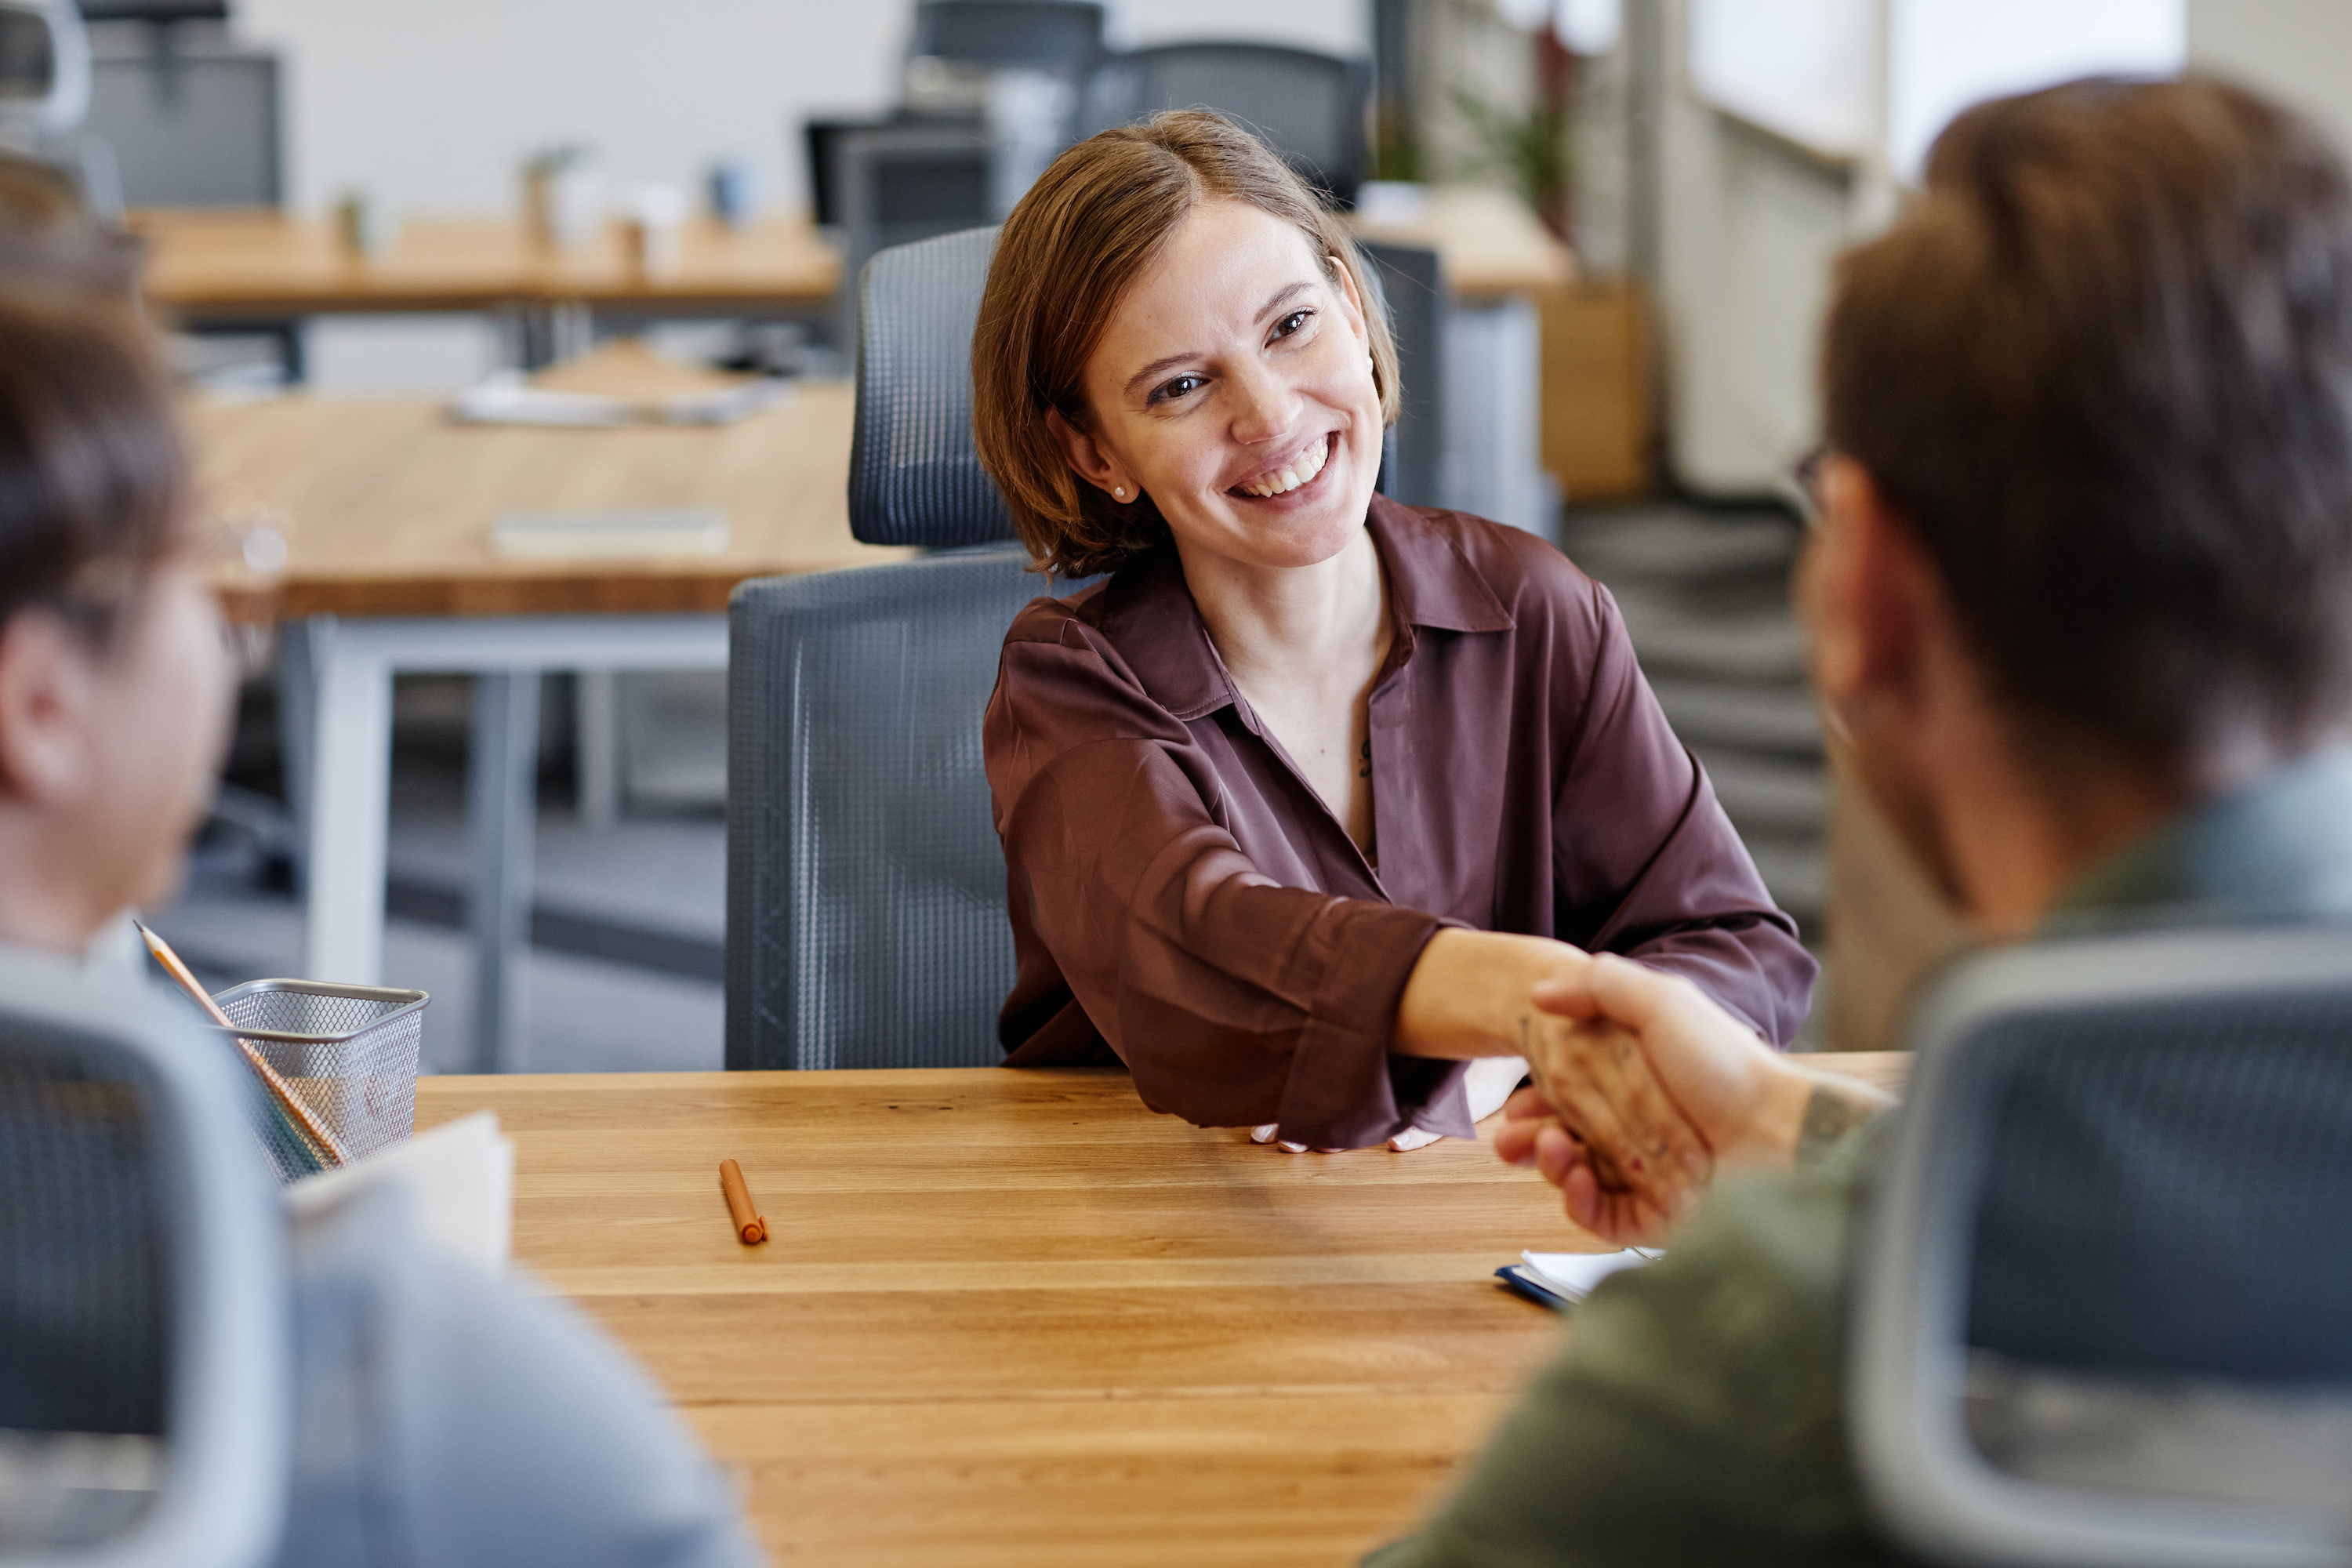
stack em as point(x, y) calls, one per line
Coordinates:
point(1830, 1116)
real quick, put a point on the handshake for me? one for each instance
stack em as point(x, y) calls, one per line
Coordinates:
point(1644, 1087)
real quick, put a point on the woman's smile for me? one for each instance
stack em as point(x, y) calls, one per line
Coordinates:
point(1291, 479)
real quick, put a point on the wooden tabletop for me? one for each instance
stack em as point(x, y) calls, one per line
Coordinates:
point(225, 265)
point(263, 263)
point(1012, 1318)
point(1488, 242)
point(386, 504)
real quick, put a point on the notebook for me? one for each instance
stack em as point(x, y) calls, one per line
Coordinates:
point(1561, 1279)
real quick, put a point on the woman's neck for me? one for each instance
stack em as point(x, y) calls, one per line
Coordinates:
point(1284, 624)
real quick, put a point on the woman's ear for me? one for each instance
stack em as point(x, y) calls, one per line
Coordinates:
point(1086, 458)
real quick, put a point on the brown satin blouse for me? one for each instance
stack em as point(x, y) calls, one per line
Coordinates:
point(1181, 896)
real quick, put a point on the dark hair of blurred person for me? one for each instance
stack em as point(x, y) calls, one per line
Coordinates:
point(2131, 462)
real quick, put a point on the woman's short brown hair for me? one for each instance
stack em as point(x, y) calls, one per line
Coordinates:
point(1086, 228)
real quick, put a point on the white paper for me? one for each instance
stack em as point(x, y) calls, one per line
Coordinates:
point(460, 1176)
point(506, 398)
point(1574, 1274)
point(602, 535)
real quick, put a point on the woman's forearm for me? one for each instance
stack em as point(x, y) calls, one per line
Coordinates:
point(1470, 994)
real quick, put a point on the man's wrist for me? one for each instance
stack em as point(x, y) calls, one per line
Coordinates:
point(1774, 1130)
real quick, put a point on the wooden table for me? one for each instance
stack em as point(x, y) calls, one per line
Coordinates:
point(1013, 1318)
point(202, 266)
point(385, 506)
point(1489, 243)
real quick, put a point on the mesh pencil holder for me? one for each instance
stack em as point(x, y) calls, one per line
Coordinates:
point(347, 1052)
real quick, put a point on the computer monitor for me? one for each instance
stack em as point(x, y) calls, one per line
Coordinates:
point(189, 129)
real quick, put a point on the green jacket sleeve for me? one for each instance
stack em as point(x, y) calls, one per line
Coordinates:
point(1695, 1416)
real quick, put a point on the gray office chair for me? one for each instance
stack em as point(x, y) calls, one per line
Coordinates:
point(865, 920)
point(1061, 36)
point(2102, 1301)
point(1310, 108)
point(193, 125)
point(144, 1349)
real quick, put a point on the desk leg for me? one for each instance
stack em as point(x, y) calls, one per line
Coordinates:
point(502, 771)
point(350, 791)
point(297, 721)
point(598, 748)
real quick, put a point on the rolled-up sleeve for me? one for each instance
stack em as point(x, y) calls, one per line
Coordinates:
point(1232, 999)
point(1646, 863)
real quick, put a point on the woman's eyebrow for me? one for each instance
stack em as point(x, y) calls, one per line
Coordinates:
point(1169, 361)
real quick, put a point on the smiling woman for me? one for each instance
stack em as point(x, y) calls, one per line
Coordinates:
point(1301, 804)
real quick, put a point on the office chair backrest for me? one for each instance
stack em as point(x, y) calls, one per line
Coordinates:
point(1309, 107)
point(191, 128)
point(2103, 1299)
point(143, 1350)
point(865, 915)
point(44, 70)
point(914, 475)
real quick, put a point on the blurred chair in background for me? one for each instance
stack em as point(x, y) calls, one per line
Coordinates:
point(2102, 1307)
point(865, 918)
point(1310, 108)
point(143, 1334)
point(44, 93)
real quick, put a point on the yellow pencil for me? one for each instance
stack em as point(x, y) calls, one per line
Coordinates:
point(330, 1148)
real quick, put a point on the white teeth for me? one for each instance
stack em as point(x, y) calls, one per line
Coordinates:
point(1302, 470)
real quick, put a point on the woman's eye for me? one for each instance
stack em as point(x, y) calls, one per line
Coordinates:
point(1292, 323)
point(1182, 386)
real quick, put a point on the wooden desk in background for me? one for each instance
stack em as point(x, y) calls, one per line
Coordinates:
point(386, 507)
point(245, 264)
point(1013, 1318)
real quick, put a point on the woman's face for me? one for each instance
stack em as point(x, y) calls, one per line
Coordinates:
point(1234, 386)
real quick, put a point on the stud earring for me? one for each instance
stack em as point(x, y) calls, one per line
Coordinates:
point(1119, 491)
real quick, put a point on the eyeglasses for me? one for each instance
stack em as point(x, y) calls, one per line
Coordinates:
point(1805, 484)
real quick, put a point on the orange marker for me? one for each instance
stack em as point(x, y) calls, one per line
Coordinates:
point(749, 1226)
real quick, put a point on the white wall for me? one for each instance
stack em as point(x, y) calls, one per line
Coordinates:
point(432, 104)
point(1747, 233)
point(2298, 50)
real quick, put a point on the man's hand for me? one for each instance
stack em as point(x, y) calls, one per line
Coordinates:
point(1744, 1099)
point(1625, 1037)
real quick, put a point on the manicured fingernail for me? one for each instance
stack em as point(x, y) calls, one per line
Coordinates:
point(1294, 1148)
point(1263, 1134)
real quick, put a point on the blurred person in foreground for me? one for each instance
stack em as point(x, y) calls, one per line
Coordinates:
point(442, 1415)
point(2077, 605)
